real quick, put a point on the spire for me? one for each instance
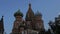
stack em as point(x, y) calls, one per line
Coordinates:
point(29, 5)
point(29, 13)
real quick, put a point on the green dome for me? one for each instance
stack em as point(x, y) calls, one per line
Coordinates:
point(38, 14)
point(18, 13)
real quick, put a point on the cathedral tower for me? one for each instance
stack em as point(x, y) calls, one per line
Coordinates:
point(39, 25)
point(29, 17)
point(18, 22)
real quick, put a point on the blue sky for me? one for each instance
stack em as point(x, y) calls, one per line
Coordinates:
point(49, 9)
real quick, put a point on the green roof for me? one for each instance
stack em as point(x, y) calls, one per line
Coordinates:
point(18, 13)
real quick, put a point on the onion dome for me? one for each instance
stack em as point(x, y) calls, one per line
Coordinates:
point(18, 13)
point(38, 14)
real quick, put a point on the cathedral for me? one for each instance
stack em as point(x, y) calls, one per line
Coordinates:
point(1, 26)
point(33, 23)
